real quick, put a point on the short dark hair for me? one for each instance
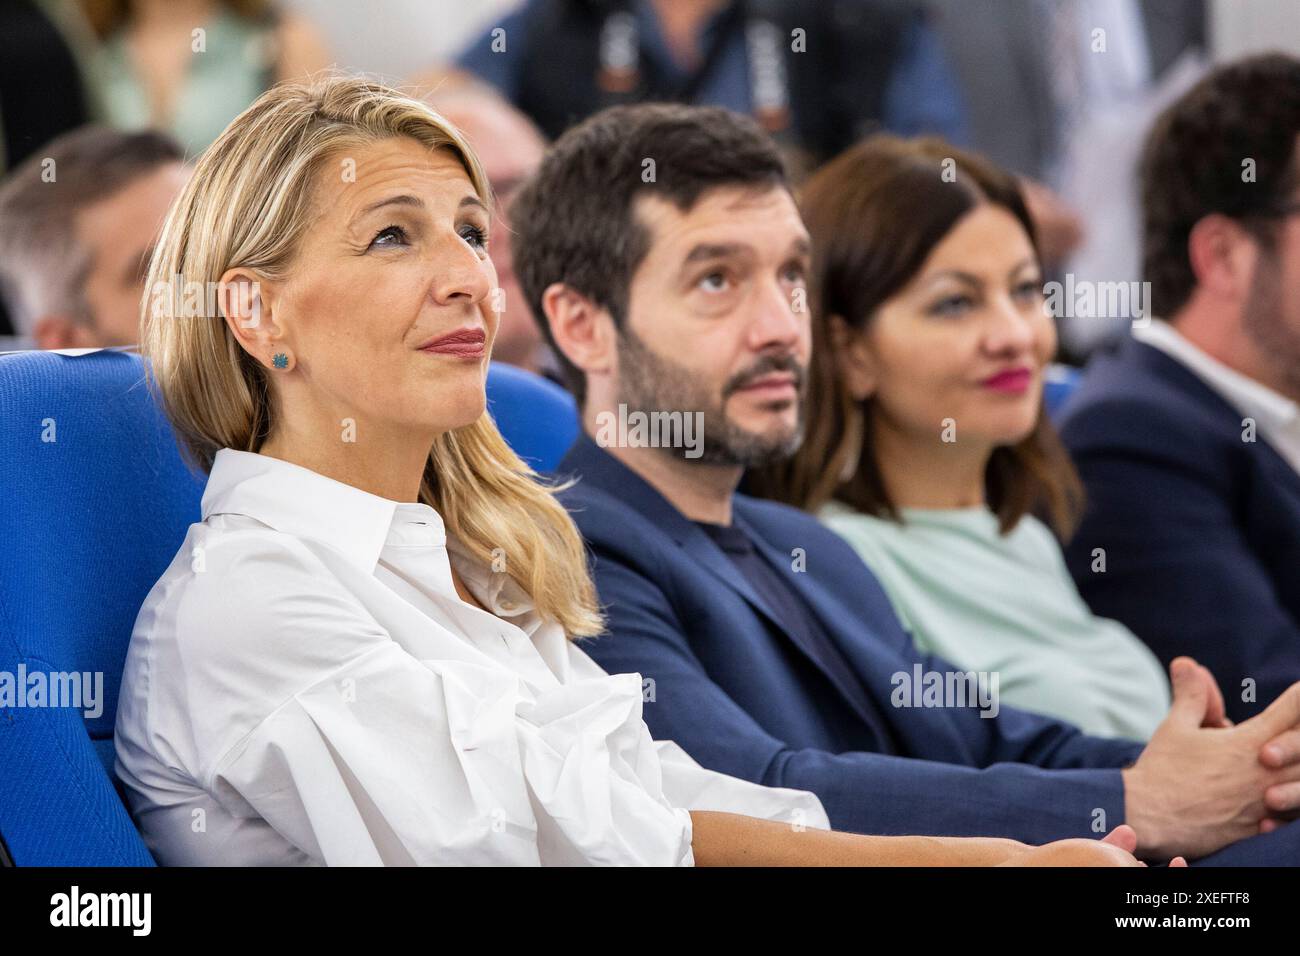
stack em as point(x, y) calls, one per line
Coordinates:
point(574, 221)
point(1194, 164)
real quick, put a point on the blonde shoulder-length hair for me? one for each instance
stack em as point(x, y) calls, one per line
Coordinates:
point(248, 204)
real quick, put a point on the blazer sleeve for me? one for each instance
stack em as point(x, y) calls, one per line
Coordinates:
point(1022, 736)
point(862, 792)
point(1178, 571)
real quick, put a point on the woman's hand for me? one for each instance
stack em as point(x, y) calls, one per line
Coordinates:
point(1114, 849)
point(726, 839)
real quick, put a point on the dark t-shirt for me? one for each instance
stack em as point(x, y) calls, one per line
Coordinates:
point(793, 613)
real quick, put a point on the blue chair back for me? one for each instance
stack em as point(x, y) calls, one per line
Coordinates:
point(1058, 385)
point(94, 502)
point(536, 417)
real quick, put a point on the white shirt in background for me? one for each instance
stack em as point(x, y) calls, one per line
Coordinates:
point(304, 686)
point(1277, 418)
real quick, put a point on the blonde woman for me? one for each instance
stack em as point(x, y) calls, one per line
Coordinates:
point(361, 654)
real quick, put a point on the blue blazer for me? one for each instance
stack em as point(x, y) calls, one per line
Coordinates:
point(742, 696)
point(1200, 529)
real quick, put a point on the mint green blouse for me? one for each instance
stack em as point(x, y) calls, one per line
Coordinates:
point(1007, 604)
point(233, 69)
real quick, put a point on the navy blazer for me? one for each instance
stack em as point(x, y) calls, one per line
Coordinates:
point(737, 691)
point(1200, 530)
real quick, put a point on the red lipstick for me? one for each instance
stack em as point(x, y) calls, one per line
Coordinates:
point(1012, 380)
point(463, 343)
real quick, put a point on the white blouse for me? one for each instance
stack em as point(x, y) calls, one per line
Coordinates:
point(304, 686)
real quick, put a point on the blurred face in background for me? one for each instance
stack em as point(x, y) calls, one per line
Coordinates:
point(117, 236)
point(967, 339)
point(1271, 312)
point(716, 321)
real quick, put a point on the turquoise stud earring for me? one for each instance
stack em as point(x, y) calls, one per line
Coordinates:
point(281, 360)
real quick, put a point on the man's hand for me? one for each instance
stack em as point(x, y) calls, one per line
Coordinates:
point(1216, 713)
point(1202, 783)
point(1282, 799)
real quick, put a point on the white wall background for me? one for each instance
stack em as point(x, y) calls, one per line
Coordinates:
point(397, 38)
point(1238, 27)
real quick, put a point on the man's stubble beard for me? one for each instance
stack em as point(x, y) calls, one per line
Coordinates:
point(648, 382)
point(1263, 321)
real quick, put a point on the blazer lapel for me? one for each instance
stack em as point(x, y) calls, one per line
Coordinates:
point(852, 686)
point(704, 551)
point(589, 463)
point(701, 548)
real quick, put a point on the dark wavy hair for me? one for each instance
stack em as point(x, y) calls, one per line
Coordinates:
point(875, 213)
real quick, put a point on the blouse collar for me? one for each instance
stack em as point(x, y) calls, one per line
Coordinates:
point(357, 524)
point(305, 504)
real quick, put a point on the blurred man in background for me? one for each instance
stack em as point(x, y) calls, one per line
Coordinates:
point(1188, 438)
point(77, 227)
point(817, 74)
point(34, 43)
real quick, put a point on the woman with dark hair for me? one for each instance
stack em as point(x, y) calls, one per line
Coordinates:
point(927, 446)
